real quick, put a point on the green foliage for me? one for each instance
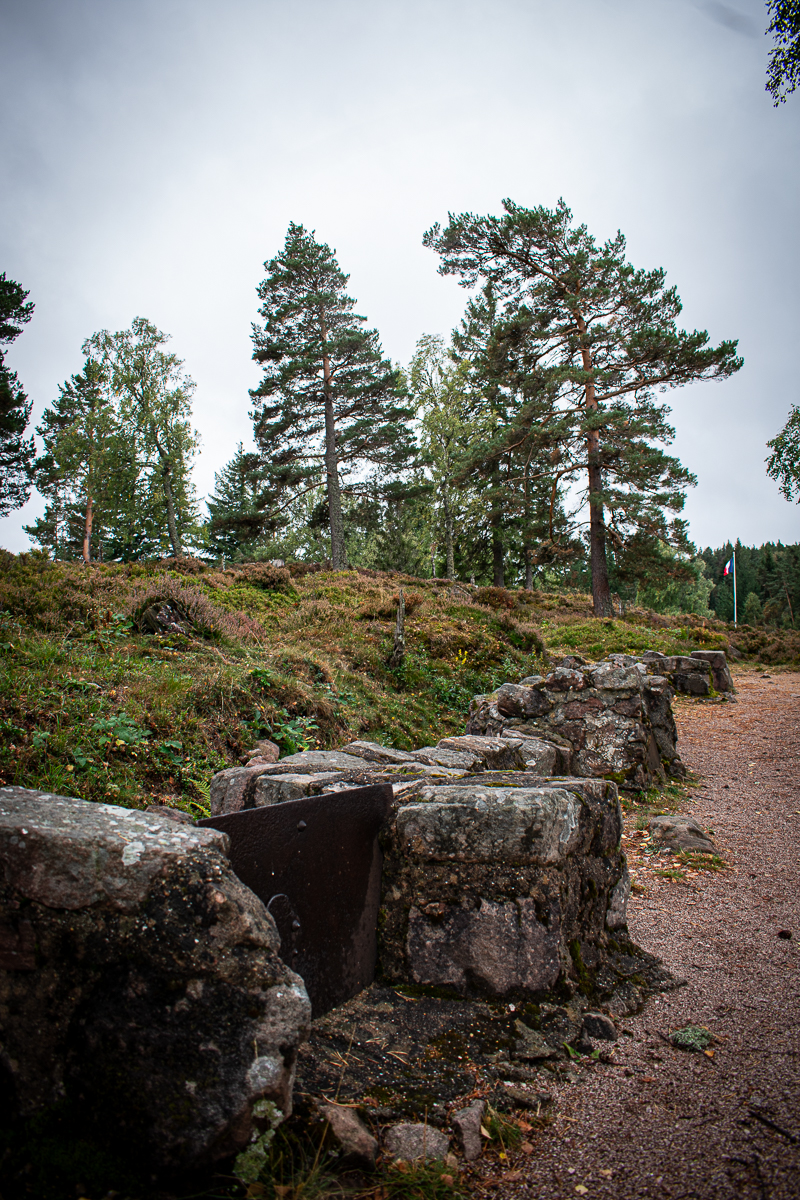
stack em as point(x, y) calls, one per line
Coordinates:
point(16, 451)
point(783, 70)
point(236, 519)
point(581, 345)
point(506, 1133)
point(420, 1181)
point(329, 404)
point(87, 470)
point(692, 1037)
point(753, 610)
point(154, 404)
point(677, 584)
point(118, 449)
point(769, 573)
point(91, 707)
point(783, 463)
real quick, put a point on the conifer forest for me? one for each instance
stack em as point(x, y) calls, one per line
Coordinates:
point(529, 450)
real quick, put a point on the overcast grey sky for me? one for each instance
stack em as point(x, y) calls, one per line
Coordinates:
point(154, 152)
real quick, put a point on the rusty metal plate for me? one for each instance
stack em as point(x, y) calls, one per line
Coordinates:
point(316, 864)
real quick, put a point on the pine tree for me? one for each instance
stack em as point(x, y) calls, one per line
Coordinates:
point(85, 470)
point(783, 463)
point(16, 451)
point(783, 71)
point(510, 462)
point(237, 519)
point(586, 341)
point(329, 403)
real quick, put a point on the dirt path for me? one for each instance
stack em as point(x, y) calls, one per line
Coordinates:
point(664, 1123)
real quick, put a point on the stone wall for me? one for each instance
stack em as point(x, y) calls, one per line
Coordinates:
point(611, 719)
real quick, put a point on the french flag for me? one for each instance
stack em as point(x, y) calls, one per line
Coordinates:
point(728, 567)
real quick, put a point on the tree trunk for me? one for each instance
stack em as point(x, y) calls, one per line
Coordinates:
point(332, 470)
point(498, 550)
point(172, 524)
point(498, 557)
point(528, 569)
point(448, 532)
point(528, 555)
point(87, 530)
point(398, 655)
point(601, 592)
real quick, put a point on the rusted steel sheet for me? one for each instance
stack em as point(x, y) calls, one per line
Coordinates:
point(316, 864)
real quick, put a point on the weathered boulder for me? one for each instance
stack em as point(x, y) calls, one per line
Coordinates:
point(679, 833)
point(264, 751)
point(500, 891)
point(355, 1141)
point(720, 671)
point(140, 981)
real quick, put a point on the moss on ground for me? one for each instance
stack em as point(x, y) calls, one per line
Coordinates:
point(91, 707)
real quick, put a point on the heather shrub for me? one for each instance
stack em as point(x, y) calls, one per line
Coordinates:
point(208, 620)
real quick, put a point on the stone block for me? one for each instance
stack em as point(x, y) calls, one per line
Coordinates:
point(143, 958)
point(486, 889)
point(411, 1142)
point(720, 671)
point(276, 789)
point(375, 753)
point(492, 754)
point(444, 756)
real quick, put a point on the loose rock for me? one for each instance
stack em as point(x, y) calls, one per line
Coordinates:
point(467, 1124)
point(681, 833)
point(598, 1025)
point(409, 1143)
point(355, 1141)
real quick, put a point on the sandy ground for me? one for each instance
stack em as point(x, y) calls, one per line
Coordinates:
point(672, 1124)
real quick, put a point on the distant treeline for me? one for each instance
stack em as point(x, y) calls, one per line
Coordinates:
point(767, 583)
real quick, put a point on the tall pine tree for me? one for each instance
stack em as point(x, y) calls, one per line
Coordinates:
point(16, 451)
point(587, 341)
point(329, 404)
point(85, 470)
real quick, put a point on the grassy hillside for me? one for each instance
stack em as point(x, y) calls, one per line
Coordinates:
point(90, 707)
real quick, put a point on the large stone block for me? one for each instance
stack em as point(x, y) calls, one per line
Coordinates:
point(140, 980)
point(502, 890)
point(687, 673)
point(720, 671)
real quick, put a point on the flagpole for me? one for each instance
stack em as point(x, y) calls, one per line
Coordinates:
point(734, 588)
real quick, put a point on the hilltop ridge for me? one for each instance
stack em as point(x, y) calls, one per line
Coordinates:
point(92, 705)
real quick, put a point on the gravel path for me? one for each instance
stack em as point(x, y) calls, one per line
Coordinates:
point(671, 1124)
